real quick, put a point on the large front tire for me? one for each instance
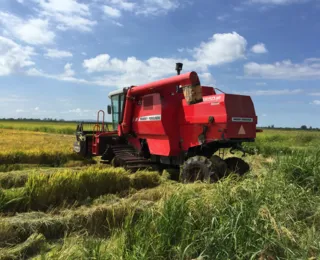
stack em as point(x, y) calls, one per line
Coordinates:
point(197, 168)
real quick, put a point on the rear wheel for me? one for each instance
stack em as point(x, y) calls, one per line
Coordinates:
point(237, 165)
point(197, 168)
point(116, 162)
point(219, 168)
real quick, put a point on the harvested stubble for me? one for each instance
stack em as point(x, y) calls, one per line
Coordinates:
point(30, 247)
point(96, 220)
point(10, 180)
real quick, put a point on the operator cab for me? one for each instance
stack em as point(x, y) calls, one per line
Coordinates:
point(117, 106)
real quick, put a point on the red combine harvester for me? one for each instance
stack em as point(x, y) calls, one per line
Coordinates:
point(170, 123)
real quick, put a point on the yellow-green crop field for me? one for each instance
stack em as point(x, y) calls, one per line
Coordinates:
point(49, 127)
point(43, 126)
point(53, 205)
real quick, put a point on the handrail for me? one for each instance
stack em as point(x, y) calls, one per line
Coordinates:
point(98, 118)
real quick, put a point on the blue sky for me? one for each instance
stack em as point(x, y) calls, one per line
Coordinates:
point(60, 58)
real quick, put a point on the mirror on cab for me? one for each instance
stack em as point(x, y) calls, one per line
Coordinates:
point(109, 110)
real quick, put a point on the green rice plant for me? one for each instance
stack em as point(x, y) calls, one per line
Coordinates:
point(13, 200)
point(302, 168)
point(282, 142)
point(249, 219)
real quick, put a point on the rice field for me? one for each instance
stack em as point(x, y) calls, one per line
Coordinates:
point(66, 209)
point(34, 148)
point(38, 126)
point(67, 128)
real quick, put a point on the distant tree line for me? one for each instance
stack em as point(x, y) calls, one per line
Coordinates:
point(303, 127)
point(37, 119)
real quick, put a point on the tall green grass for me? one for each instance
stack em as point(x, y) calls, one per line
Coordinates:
point(301, 168)
point(281, 142)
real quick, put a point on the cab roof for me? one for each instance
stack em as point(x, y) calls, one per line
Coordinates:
point(115, 92)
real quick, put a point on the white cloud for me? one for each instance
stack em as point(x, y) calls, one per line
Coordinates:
point(68, 71)
point(277, 2)
point(14, 57)
point(111, 12)
point(12, 99)
point(310, 60)
point(67, 75)
point(69, 14)
point(84, 53)
point(273, 92)
point(314, 94)
point(64, 6)
point(54, 53)
point(315, 102)
point(20, 1)
point(141, 7)
point(157, 7)
point(259, 48)
point(123, 5)
point(117, 23)
point(223, 17)
point(36, 108)
point(20, 111)
point(79, 110)
point(207, 78)
point(221, 48)
point(32, 31)
point(261, 83)
point(309, 69)
point(74, 22)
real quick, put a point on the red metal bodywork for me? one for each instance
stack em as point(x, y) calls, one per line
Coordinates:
point(159, 114)
point(163, 86)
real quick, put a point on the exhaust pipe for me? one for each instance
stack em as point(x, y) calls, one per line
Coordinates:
point(179, 67)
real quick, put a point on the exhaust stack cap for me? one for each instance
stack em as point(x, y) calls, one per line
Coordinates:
point(179, 67)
